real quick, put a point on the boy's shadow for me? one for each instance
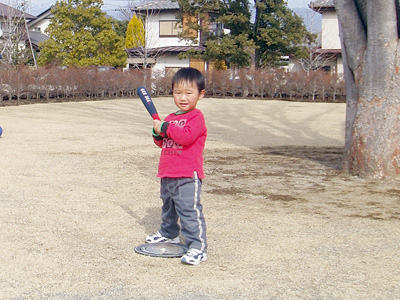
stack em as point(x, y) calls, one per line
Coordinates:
point(150, 222)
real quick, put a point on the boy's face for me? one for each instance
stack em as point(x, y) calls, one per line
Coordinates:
point(186, 94)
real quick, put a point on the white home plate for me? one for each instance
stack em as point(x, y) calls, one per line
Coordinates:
point(162, 250)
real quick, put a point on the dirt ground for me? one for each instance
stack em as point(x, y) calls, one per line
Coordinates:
point(79, 192)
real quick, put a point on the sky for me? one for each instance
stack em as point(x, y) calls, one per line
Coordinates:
point(298, 3)
point(111, 6)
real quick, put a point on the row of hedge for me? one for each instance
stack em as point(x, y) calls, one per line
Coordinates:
point(45, 84)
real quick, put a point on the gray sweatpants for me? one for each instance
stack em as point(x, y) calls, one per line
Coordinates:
point(181, 200)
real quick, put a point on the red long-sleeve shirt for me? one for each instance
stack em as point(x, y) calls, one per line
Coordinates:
point(183, 141)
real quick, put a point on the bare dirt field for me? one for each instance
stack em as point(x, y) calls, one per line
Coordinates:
point(79, 192)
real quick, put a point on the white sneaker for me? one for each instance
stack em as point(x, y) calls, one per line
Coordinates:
point(194, 257)
point(158, 238)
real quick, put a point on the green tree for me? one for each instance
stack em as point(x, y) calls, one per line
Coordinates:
point(278, 32)
point(120, 27)
point(235, 15)
point(81, 35)
point(237, 44)
point(195, 16)
point(234, 48)
point(135, 33)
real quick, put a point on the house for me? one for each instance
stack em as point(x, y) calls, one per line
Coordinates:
point(7, 13)
point(13, 22)
point(328, 54)
point(162, 41)
point(31, 27)
point(41, 22)
point(38, 26)
point(330, 40)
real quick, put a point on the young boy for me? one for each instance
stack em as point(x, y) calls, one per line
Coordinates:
point(182, 137)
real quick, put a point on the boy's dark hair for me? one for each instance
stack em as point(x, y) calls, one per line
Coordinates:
point(189, 75)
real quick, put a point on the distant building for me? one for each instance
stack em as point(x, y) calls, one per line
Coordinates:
point(163, 44)
point(41, 22)
point(38, 26)
point(330, 40)
point(328, 55)
point(8, 27)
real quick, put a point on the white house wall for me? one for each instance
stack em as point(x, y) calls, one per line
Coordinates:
point(153, 39)
point(170, 61)
point(330, 31)
point(340, 65)
point(43, 25)
point(40, 25)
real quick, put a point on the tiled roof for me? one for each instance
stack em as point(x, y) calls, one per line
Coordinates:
point(157, 5)
point(37, 37)
point(328, 51)
point(45, 13)
point(8, 11)
point(42, 16)
point(321, 6)
point(138, 52)
point(322, 3)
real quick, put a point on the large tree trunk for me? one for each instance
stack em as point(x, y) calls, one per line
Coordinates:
point(370, 46)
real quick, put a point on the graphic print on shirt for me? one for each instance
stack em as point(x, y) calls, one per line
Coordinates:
point(169, 146)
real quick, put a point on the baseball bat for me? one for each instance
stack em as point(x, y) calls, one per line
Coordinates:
point(147, 102)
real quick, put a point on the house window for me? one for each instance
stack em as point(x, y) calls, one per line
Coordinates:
point(169, 29)
point(326, 68)
point(4, 27)
point(216, 29)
